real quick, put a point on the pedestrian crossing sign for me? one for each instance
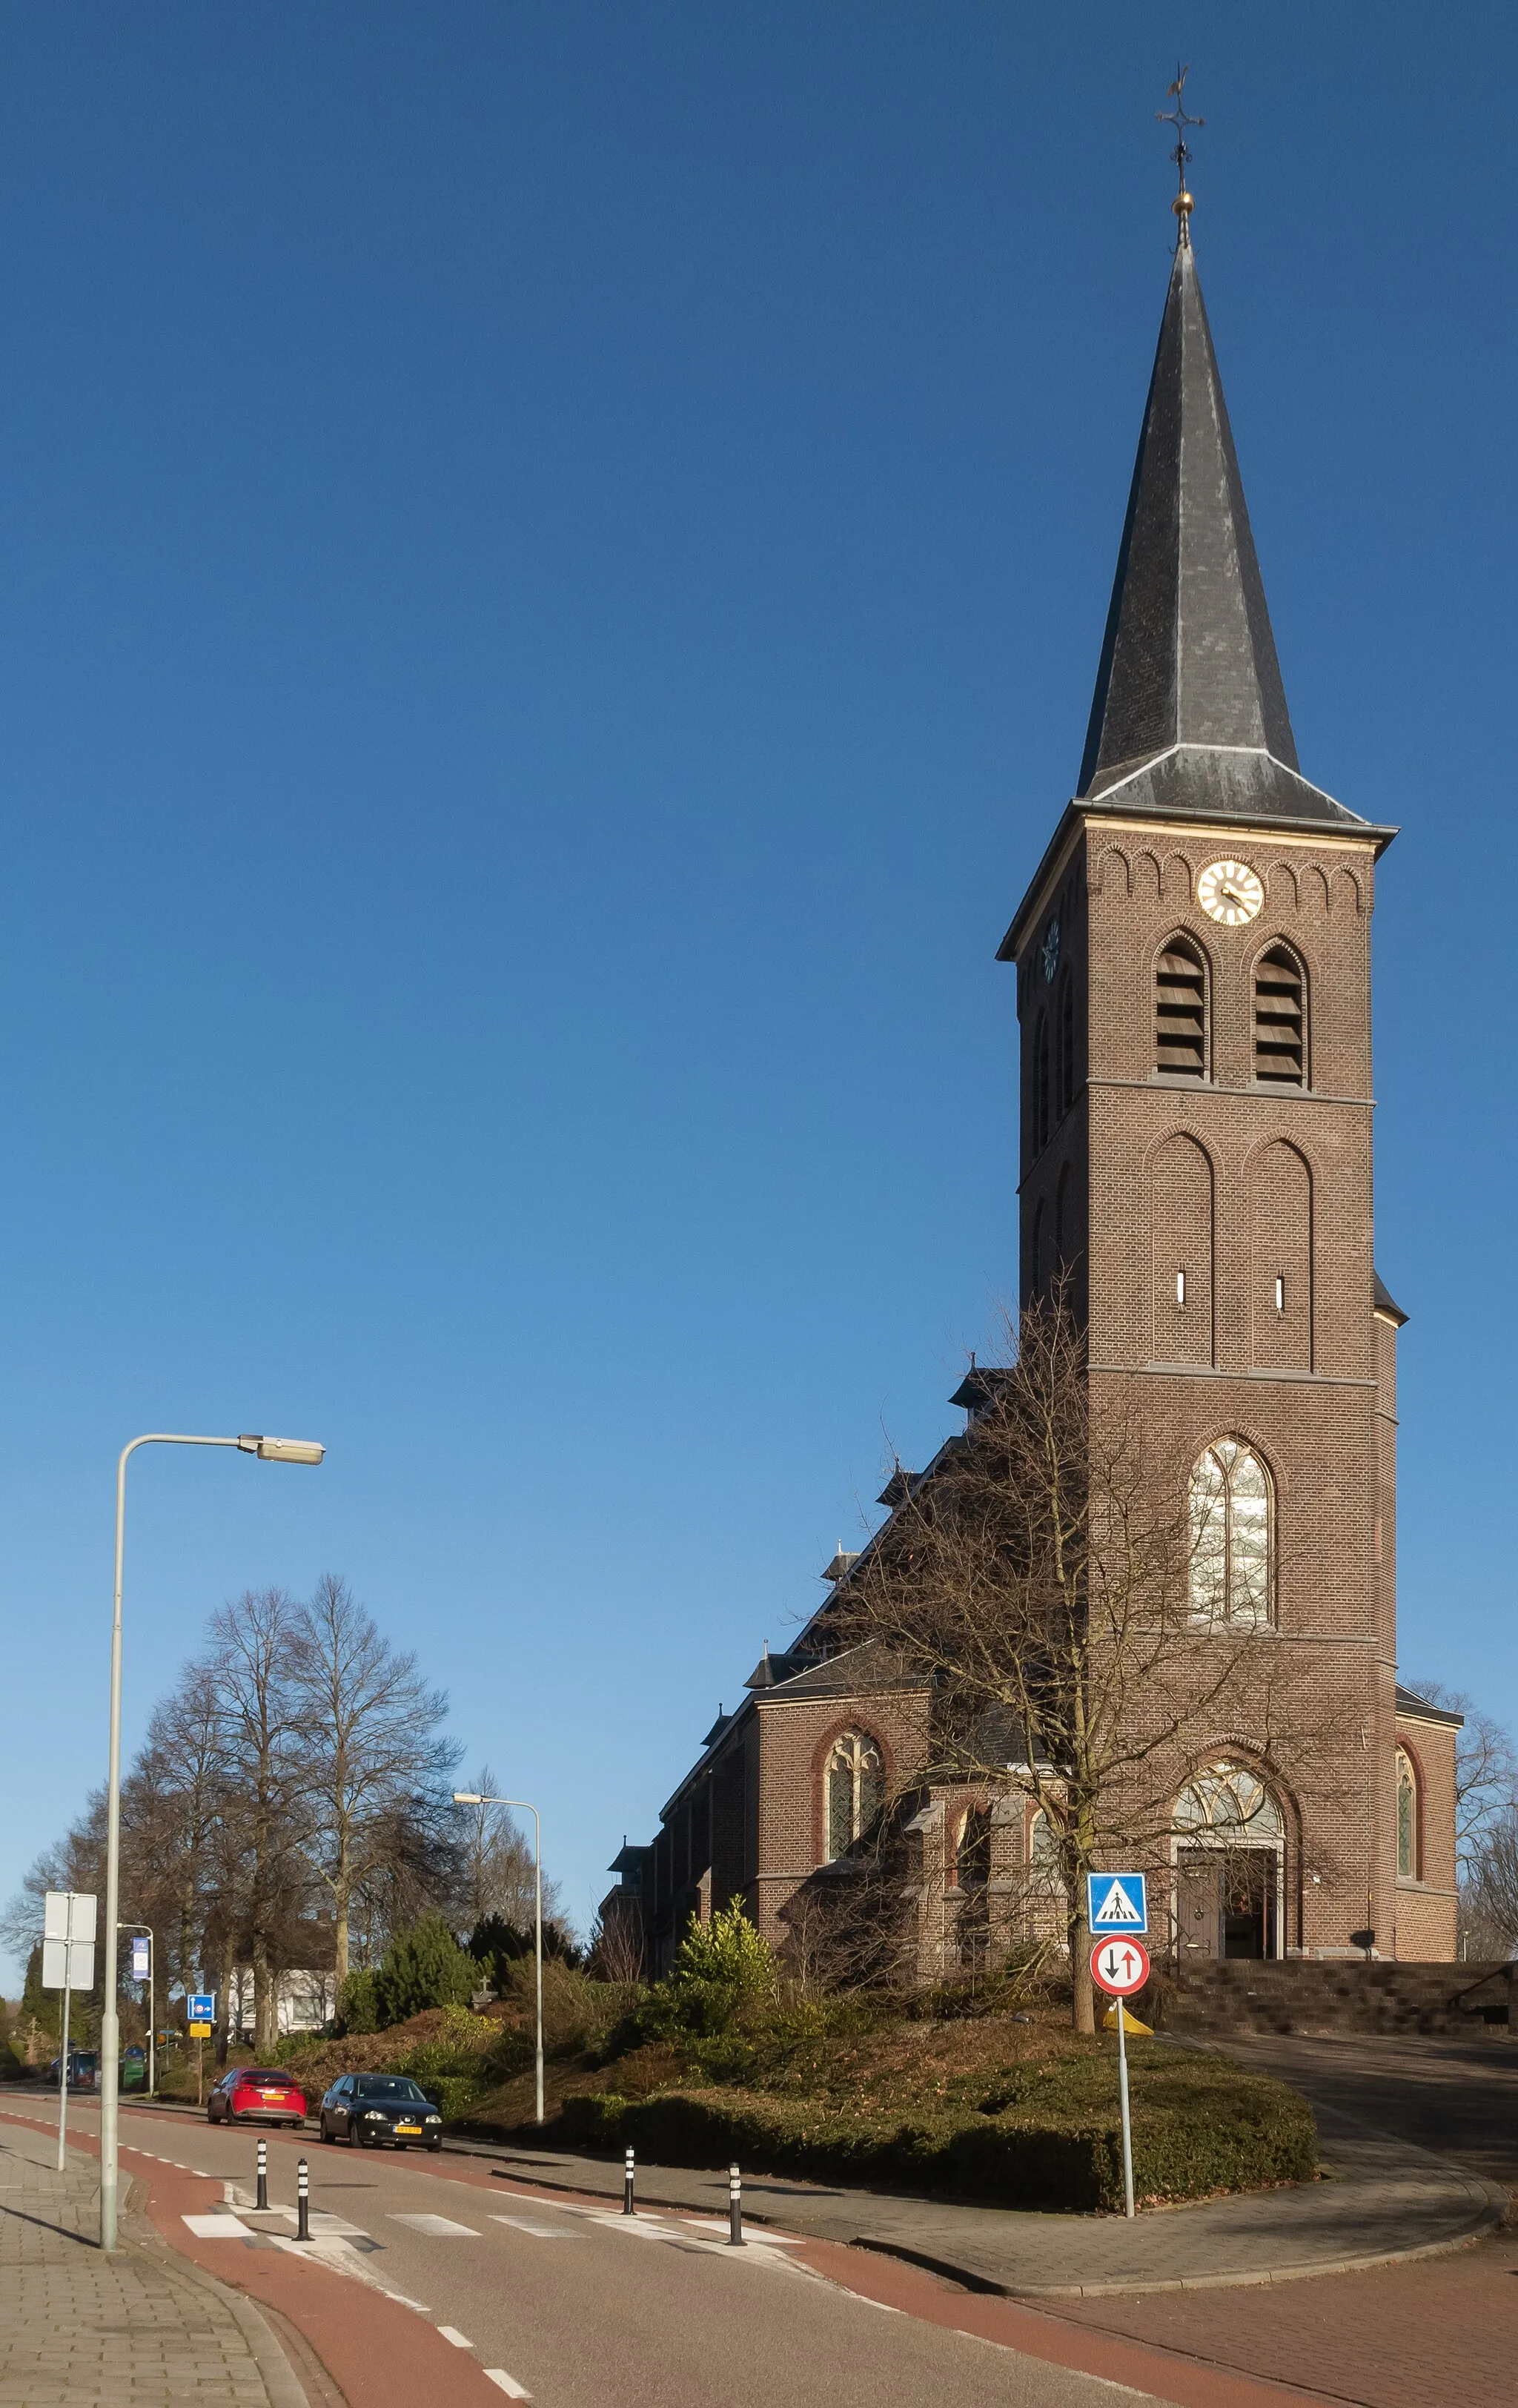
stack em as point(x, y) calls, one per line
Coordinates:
point(1117, 1902)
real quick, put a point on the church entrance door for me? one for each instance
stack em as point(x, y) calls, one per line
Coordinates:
point(1226, 1902)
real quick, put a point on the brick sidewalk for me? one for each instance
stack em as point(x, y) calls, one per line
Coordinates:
point(1422, 2336)
point(134, 2330)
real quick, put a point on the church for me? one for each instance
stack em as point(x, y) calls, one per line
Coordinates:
point(1192, 958)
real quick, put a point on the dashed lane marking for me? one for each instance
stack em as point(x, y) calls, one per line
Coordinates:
point(439, 2227)
point(451, 2332)
point(538, 2231)
point(218, 2227)
point(512, 2389)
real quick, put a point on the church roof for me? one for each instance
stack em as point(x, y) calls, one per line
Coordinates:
point(1189, 720)
point(1188, 662)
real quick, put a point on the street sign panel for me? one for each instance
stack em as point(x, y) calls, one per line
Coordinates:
point(69, 1931)
point(1120, 1966)
point(1116, 1902)
point(139, 1959)
point(200, 2006)
point(200, 2031)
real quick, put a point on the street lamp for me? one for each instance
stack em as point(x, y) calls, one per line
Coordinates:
point(473, 1798)
point(268, 1449)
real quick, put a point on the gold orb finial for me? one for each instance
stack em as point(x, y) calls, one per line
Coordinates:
point(1182, 204)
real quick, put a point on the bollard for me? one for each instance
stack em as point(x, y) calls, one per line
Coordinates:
point(303, 2202)
point(735, 2208)
point(627, 2186)
point(263, 2174)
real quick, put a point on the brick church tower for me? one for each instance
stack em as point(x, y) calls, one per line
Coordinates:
point(1193, 995)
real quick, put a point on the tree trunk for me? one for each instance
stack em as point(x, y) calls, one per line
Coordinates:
point(1084, 2015)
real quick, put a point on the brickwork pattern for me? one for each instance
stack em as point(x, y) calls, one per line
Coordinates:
point(129, 2329)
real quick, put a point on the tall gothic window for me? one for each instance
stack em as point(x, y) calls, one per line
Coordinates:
point(1406, 1818)
point(855, 1788)
point(1043, 1098)
point(1230, 1536)
point(1280, 1019)
point(1181, 1009)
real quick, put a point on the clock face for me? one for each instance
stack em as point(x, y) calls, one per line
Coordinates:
point(1230, 892)
point(1051, 952)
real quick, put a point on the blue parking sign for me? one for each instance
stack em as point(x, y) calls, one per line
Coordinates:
point(1116, 1902)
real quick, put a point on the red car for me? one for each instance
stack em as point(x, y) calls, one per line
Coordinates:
point(251, 2096)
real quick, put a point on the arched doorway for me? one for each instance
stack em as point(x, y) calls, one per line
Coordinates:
point(1230, 1857)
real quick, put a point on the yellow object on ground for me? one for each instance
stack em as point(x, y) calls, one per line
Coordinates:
point(1130, 2023)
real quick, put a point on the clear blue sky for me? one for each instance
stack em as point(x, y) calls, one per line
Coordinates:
point(551, 564)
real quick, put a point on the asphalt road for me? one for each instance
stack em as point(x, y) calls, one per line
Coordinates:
point(1454, 2094)
point(578, 2307)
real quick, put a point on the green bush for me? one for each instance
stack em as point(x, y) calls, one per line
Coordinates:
point(720, 1967)
point(1223, 2131)
point(358, 2008)
point(424, 1967)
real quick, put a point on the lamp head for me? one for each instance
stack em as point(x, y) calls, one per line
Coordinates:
point(467, 1797)
point(282, 1450)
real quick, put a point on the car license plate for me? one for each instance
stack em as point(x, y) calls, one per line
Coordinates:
point(276, 2095)
point(412, 2130)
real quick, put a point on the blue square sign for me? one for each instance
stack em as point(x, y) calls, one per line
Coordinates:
point(1116, 1902)
point(200, 2007)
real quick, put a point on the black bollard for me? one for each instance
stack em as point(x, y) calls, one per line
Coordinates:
point(735, 2208)
point(627, 2186)
point(303, 2202)
point(263, 2174)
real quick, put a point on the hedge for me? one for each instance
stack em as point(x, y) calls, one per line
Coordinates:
point(1230, 2135)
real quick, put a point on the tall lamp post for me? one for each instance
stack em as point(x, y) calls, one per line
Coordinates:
point(268, 1449)
point(473, 1798)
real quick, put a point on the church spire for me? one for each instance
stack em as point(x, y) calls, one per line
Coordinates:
point(1188, 660)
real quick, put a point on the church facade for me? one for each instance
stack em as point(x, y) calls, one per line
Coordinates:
point(1192, 966)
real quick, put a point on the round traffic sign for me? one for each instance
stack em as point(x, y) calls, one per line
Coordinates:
point(1120, 1966)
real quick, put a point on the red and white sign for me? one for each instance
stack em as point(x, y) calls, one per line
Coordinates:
point(1120, 1966)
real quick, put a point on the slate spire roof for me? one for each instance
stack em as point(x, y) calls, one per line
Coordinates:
point(1190, 711)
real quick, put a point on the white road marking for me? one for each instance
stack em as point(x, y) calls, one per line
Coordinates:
point(220, 2227)
point(451, 2332)
point(441, 2227)
point(498, 2375)
point(538, 2231)
point(753, 2232)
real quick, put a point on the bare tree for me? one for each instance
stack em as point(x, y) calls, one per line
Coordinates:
point(265, 1816)
point(374, 1757)
point(1047, 1585)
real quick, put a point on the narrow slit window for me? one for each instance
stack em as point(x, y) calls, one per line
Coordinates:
point(1281, 1292)
point(1066, 1047)
point(1280, 1019)
point(1044, 1100)
point(1181, 1010)
point(1180, 1287)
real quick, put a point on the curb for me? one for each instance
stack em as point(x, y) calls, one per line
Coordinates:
point(1492, 2216)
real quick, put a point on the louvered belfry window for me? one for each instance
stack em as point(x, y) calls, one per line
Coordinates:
point(1181, 1010)
point(1280, 1019)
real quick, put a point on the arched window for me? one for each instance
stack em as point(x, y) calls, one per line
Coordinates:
point(1227, 1803)
point(1280, 1019)
point(972, 1857)
point(1408, 1866)
point(1066, 1045)
point(1181, 1010)
point(855, 1786)
point(1230, 1536)
point(1043, 1100)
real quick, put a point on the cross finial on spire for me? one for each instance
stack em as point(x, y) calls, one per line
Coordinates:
point(1177, 117)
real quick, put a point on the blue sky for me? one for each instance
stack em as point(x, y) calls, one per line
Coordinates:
point(551, 565)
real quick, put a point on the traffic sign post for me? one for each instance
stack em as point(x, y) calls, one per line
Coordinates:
point(1121, 1967)
point(199, 2015)
point(69, 1931)
point(1117, 1902)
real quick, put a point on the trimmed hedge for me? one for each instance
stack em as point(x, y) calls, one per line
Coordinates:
point(1241, 2132)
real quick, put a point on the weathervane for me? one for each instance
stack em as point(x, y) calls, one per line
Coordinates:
point(1182, 204)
